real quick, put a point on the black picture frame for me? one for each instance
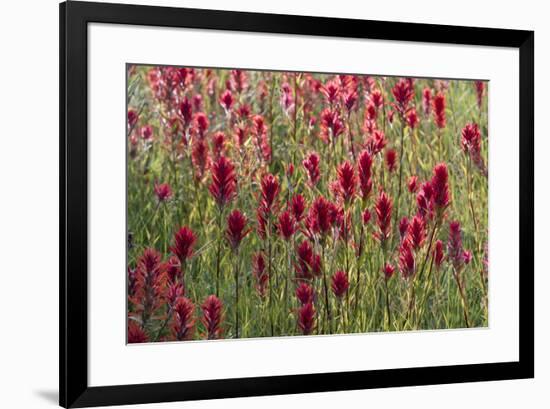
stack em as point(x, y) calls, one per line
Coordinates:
point(73, 349)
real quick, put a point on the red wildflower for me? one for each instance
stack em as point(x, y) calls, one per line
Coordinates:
point(480, 90)
point(184, 240)
point(376, 142)
point(241, 135)
point(424, 199)
point(260, 274)
point(305, 293)
point(365, 216)
point(236, 224)
point(244, 111)
point(197, 102)
point(306, 318)
point(201, 124)
point(184, 322)
point(298, 205)
point(173, 268)
point(467, 256)
point(200, 158)
point(146, 132)
point(287, 99)
point(269, 190)
point(383, 209)
point(412, 118)
point(239, 80)
point(438, 254)
point(321, 216)
point(212, 316)
point(417, 232)
point(304, 261)
point(218, 142)
point(175, 291)
point(185, 112)
point(163, 191)
point(364, 167)
point(412, 184)
point(471, 138)
point(226, 100)
point(407, 264)
point(391, 159)
point(136, 334)
point(427, 101)
point(331, 91)
point(287, 225)
point(224, 181)
point(311, 163)
point(439, 110)
point(455, 252)
point(331, 125)
point(150, 284)
point(339, 283)
point(403, 227)
point(440, 186)
point(261, 138)
point(347, 181)
point(376, 98)
point(350, 98)
point(132, 118)
point(388, 271)
point(403, 94)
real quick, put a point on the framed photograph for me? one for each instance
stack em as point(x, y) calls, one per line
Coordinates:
point(257, 204)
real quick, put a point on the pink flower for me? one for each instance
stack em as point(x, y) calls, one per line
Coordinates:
point(224, 181)
point(388, 271)
point(331, 125)
point(339, 283)
point(132, 118)
point(306, 318)
point(412, 118)
point(260, 275)
point(439, 110)
point(146, 132)
point(412, 184)
point(346, 181)
point(185, 112)
point(184, 323)
point(427, 101)
point(212, 316)
point(269, 191)
point(236, 225)
point(403, 94)
point(417, 232)
point(163, 191)
point(403, 227)
point(226, 101)
point(298, 206)
point(440, 186)
point(407, 264)
point(391, 159)
point(438, 254)
point(304, 261)
point(480, 90)
point(383, 209)
point(331, 92)
point(305, 293)
point(287, 225)
point(321, 216)
point(184, 240)
point(136, 334)
point(365, 216)
point(364, 167)
point(311, 163)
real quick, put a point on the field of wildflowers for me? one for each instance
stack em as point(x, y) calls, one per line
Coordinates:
point(278, 203)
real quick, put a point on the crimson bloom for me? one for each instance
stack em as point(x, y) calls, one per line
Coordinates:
point(306, 318)
point(412, 118)
point(311, 163)
point(346, 181)
point(212, 316)
point(412, 184)
point(287, 225)
point(407, 263)
point(364, 167)
point(184, 322)
point(417, 231)
point(321, 216)
point(331, 125)
point(339, 283)
point(269, 190)
point(365, 216)
point(455, 251)
point(471, 138)
point(136, 334)
point(163, 191)
point(438, 254)
point(391, 159)
point(186, 112)
point(260, 274)
point(298, 206)
point(388, 271)
point(427, 101)
point(440, 186)
point(439, 105)
point(403, 227)
point(305, 293)
point(226, 100)
point(480, 90)
point(383, 209)
point(224, 181)
point(184, 240)
point(403, 94)
point(305, 261)
point(236, 225)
